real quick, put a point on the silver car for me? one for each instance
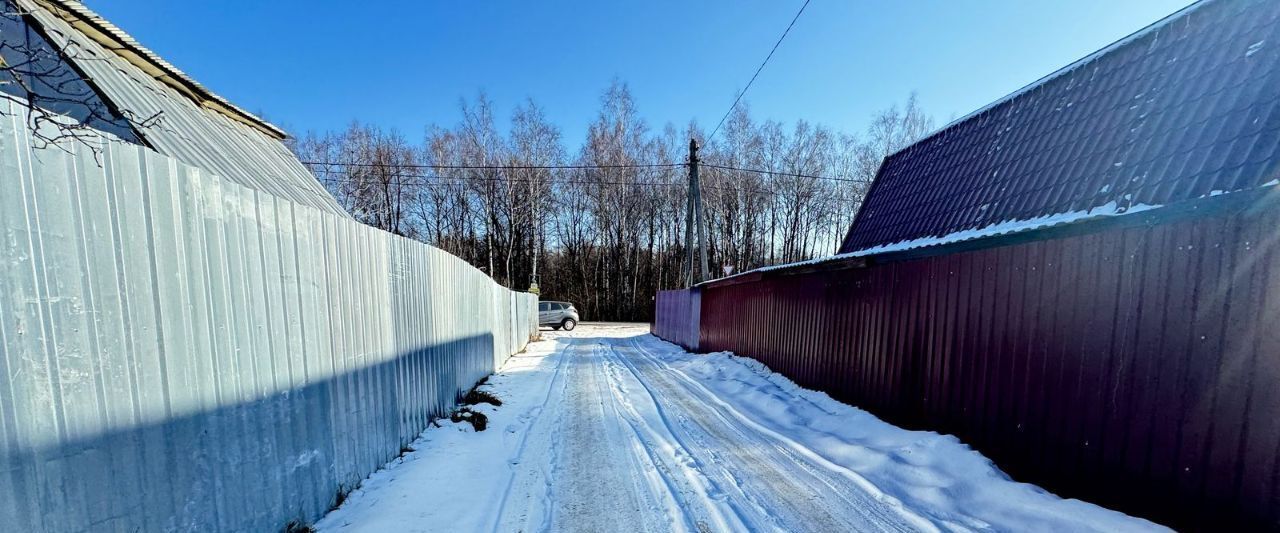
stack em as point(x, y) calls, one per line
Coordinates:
point(557, 315)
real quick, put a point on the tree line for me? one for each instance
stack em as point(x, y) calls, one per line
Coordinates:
point(603, 226)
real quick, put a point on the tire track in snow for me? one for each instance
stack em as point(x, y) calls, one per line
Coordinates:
point(742, 507)
point(702, 501)
point(528, 474)
point(798, 489)
point(664, 451)
point(604, 478)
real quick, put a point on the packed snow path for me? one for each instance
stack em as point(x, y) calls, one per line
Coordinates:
point(608, 429)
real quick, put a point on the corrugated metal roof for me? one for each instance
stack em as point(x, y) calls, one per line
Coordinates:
point(37, 75)
point(1182, 110)
point(93, 26)
point(199, 129)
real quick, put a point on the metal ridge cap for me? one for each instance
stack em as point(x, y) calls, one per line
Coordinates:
point(1096, 54)
point(113, 38)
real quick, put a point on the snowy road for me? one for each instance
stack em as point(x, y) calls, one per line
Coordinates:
point(640, 446)
point(609, 429)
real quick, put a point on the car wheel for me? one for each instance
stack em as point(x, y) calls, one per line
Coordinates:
point(568, 324)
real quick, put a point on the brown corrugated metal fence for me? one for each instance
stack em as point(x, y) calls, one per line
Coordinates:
point(1137, 367)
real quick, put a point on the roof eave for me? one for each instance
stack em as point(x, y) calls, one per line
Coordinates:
point(1154, 26)
point(113, 38)
point(1266, 197)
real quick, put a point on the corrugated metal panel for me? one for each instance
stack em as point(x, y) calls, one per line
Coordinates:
point(1181, 111)
point(112, 37)
point(1133, 367)
point(182, 352)
point(35, 71)
point(196, 136)
point(675, 316)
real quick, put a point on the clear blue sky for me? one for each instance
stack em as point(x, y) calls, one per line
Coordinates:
point(317, 65)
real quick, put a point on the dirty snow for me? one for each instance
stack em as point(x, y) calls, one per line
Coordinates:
point(607, 428)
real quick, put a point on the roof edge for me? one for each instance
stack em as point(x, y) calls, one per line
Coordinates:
point(1154, 26)
point(1084, 221)
point(113, 38)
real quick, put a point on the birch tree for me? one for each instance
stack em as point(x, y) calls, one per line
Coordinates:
point(608, 232)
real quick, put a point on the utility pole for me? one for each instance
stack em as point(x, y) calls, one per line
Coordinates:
point(688, 222)
point(694, 215)
point(535, 194)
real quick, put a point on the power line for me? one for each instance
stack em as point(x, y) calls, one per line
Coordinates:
point(561, 167)
point(483, 178)
point(778, 173)
point(753, 76)
point(424, 180)
point(492, 167)
point(460, 184)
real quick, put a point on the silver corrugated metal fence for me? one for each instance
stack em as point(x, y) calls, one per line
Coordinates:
point(179, 352)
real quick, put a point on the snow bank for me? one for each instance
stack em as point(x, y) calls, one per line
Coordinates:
point(454, 475)
point(934, 475)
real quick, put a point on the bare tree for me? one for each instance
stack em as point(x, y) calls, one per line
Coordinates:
point(378, 179)
point(58, 105)
point(535, 143)
point(608, 235)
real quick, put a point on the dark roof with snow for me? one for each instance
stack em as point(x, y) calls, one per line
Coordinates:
point(1184, 109)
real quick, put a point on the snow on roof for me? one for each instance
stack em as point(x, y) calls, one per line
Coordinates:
point(1009, 227)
